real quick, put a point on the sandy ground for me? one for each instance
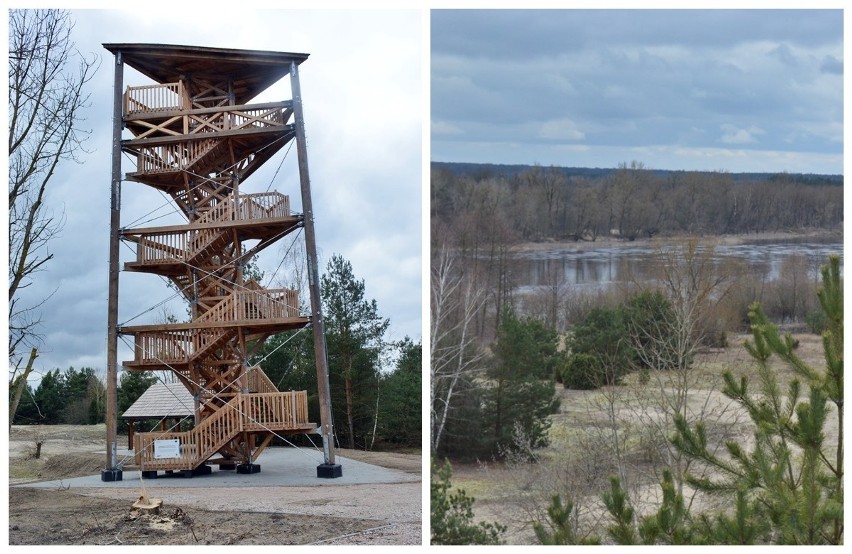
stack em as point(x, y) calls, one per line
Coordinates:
point(575, 462)
point(348, 514)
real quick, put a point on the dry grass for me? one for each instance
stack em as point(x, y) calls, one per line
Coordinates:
point(594, 428)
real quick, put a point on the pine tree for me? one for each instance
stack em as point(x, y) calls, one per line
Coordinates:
point(452, 514)
point(562, 530)
point(790, 478)
point(133, 384)
point(617, 503)
point(522, 395)
point(355, 335)
point(400, 419)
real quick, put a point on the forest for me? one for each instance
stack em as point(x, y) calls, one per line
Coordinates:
point(375, 381)
point(652, 411)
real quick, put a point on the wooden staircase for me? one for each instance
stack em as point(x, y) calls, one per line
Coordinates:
point(277, 411)
point(197, 145)
point(176, 346)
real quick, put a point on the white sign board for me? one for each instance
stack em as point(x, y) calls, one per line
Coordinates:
point(166, 448)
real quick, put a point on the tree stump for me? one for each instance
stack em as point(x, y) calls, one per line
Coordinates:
point(147, 505)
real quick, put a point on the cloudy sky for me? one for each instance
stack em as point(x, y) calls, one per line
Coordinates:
point(362, 93)
point(707, 90)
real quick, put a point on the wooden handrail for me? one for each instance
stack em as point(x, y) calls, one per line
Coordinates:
point(244, 412)
point(154, 98)
point(258, 381)
point(164, 158)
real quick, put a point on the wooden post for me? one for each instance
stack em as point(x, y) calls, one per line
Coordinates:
point(112, 471)
point(329, 468)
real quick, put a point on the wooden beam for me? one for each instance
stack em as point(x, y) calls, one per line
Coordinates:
point(293, 322)
point(169, 229)
point(131, 144)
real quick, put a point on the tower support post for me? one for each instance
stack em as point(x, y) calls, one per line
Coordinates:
point(329, 468)
point(113, 472)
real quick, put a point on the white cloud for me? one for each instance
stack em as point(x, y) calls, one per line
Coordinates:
point(443, 128)
point(560, 129)
point(731, 134)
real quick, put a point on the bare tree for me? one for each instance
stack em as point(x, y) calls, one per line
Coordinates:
point(669, 343)
point(453, 351)
point(46, 97)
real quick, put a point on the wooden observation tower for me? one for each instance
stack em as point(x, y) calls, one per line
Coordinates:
point(197, 138)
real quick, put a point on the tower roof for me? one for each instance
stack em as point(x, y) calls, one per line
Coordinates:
point(252, 71)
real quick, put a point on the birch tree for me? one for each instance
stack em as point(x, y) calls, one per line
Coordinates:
point(453, 351)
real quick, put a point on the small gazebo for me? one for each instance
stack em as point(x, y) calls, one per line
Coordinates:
point(168, 402)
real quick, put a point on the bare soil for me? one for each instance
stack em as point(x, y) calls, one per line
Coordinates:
point(348, 514)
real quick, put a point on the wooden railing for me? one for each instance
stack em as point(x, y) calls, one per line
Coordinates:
point(258, 381)
point(159, 110)
point(202, 239)
point(259, 205)
point(254, 305)
point(231, 118)
point(279, 411)
point(163, 158)
point(275, 410)
point(180, 346)
point(185, 245)
point(173, 347)
point(154, 98)
point(161, 247)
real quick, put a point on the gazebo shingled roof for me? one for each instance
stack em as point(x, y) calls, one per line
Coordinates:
point(162, 400)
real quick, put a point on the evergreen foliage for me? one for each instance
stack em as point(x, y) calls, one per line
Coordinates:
point(354, 333)
point(650, 322)
point(131, 386)
point(788, 487)
point(400, 399)
point(75, 397)
point(582, 372)
point(452, 514)
point(384, 407)
point(602, 336)
point(521, 396)
point(791, 478)
point(618, 505)
point(561, 529)
point(463, 436)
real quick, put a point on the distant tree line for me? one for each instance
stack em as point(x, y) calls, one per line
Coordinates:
point(74, 396)
point(484, 170)
point(77, 397)
point(542, 203)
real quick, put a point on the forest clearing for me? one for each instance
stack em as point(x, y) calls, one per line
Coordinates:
point(618, 430)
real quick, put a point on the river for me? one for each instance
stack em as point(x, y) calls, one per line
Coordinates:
point(603, 267)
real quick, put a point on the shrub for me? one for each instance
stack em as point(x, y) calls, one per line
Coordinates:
point(602, 335)
point(650, 322)
point(582, 372)
point(817, 322)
